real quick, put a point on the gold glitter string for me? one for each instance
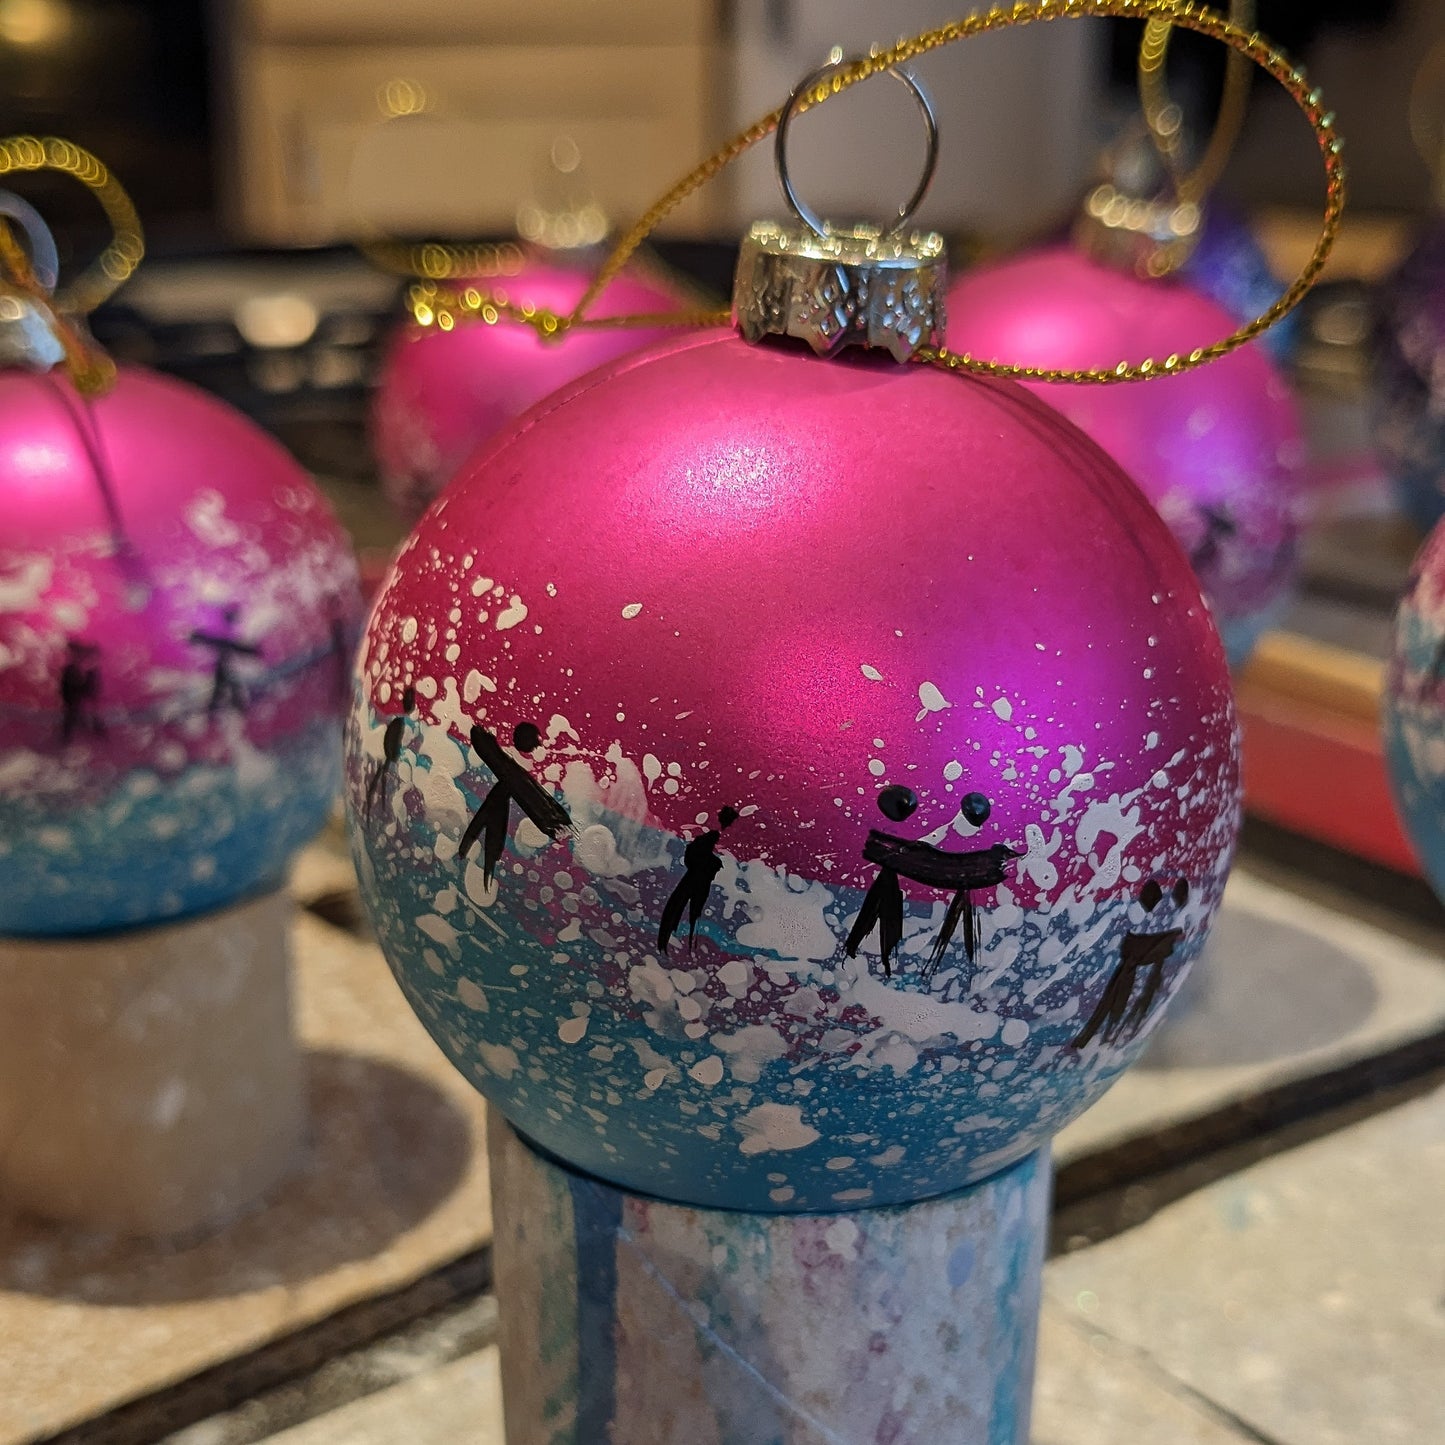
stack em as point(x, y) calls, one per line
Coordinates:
point(443, 305)
point(115, 265)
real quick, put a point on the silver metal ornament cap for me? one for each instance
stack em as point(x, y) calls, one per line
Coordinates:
point(843, 286)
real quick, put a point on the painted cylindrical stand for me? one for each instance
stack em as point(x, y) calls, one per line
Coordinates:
point(150, 1081)
point(627, 1320)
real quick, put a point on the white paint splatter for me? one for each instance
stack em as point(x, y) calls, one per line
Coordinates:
point(500, 1059)
point(436, 927)
point(514, 612)
point(24, 589)
point(930, 700)
point(206, 517)
point(750, 1050)
point(708, 1071)
point(774, 1128)
point(871, 672)
point(842, 1237)
point(595, 849)
point(631, 610)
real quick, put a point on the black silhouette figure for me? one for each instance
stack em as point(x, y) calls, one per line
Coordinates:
point(80, 691)
point(391, 743)
point(702, 865)
point(514, 785)
point(1219, 527)
point(883, 903)
point(1113, 1018)
point(961, 872)
point(226, 690)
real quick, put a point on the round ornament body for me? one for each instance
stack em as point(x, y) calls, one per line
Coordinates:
point(1216, 449)
point(789, 784)
point(1414, 709)
point(1229, 266)
point(177, 612)
point(441, 393)
point(1407, 402)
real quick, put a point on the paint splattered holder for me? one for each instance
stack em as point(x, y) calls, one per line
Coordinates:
point(150, 1080)
point(627, 1318)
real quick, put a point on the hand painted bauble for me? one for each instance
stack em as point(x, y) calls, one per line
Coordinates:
point(176, 608)
point(441, 393)
point(1414, 709)
point(732, 670)
point(1229, 266)
point(1215, 449)
point(1407, 403)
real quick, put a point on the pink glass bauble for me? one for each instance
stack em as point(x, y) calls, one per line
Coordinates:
point(1216, 449)
point(643, 684)
point(441, 393)
point(177, 604)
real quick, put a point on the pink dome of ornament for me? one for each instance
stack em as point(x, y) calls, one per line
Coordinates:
point(177, 609)
point(781, 783)
point(1216, 449)
point(441, 393)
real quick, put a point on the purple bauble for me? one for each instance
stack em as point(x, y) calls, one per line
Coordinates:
point(785, 783)
point(177, 604)
point(442, 392)
point(1408, 384)
point(1216, 449)
point(1230, 267)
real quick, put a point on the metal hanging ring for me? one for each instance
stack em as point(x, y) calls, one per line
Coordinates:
point(804, 89)
point(44, 258)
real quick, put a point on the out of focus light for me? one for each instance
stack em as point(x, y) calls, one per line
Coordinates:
point(34, 23)
point(271, 322)
point(397, 97)
point(566, 154)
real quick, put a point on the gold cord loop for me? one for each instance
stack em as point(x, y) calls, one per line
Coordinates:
point(439, 302)
point(115, 265)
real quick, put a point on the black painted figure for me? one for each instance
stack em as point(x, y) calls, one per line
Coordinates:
point(883, 903)
point(80, 691)
point(391, 745)
point(514, 785)
point(1113, 1019)
point(702, 865)
point(226, 691)
point(961, 873)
